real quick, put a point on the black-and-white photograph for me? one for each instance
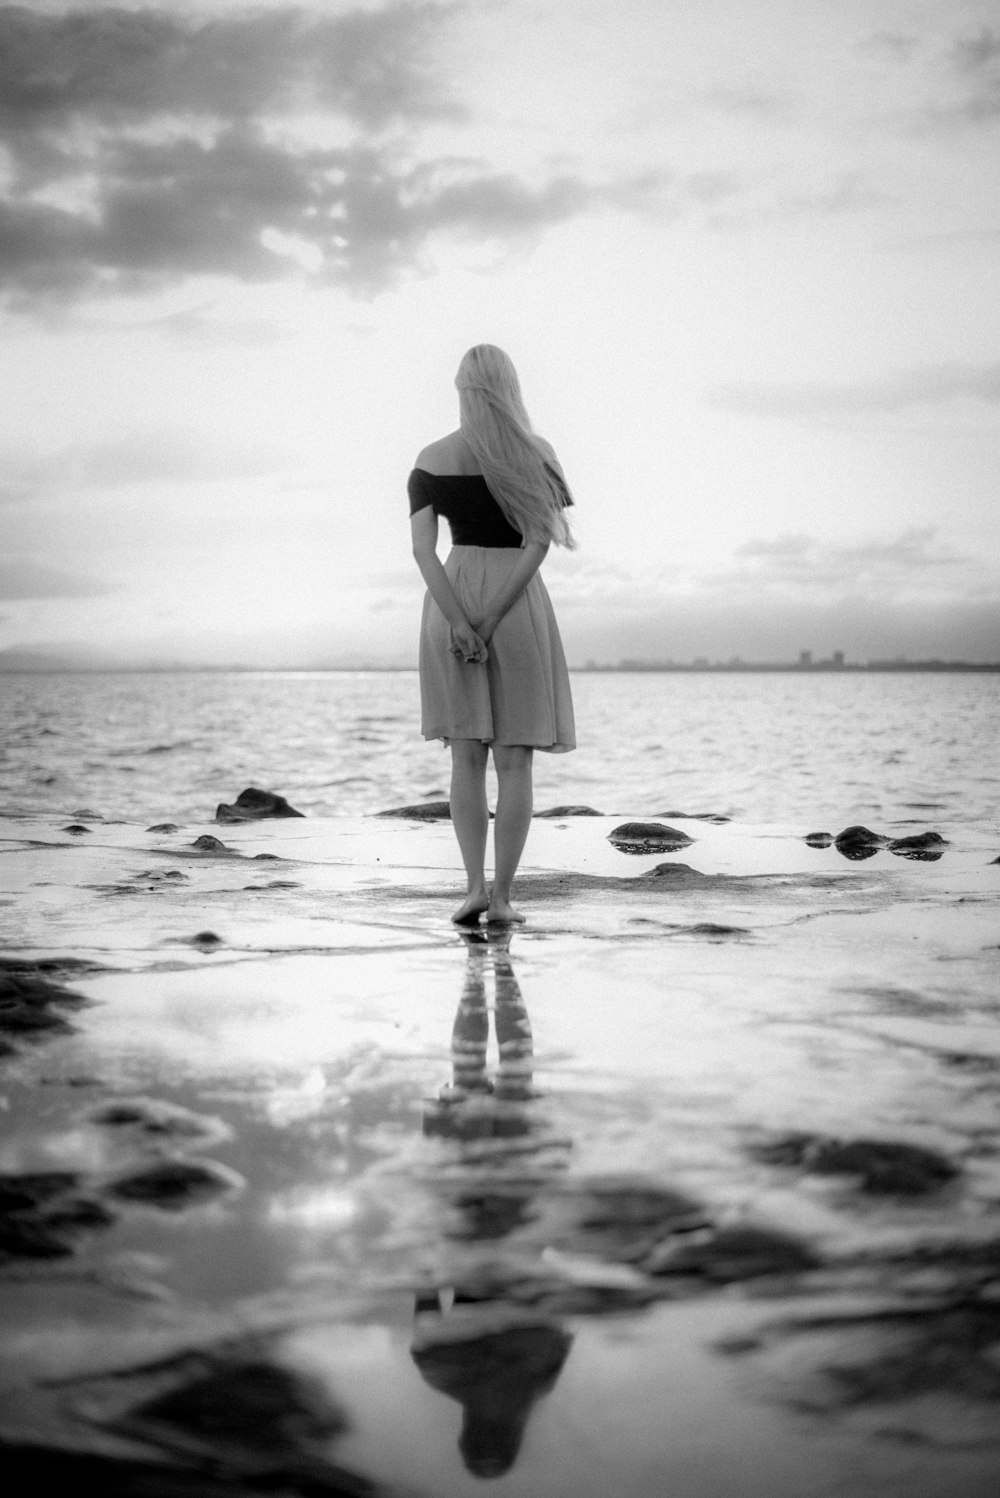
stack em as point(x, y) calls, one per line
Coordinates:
point(499, 790)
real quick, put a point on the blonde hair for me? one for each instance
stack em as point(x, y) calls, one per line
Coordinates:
point(521, 470)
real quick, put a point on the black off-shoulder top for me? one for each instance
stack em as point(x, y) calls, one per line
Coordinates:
point(464, 499)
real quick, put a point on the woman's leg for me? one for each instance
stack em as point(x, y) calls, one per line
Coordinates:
point(470, 819)
point(510, 829)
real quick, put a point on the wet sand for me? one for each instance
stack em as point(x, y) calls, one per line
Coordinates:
point(690, 1186)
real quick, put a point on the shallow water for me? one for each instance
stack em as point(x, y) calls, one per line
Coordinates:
point(819, 750)
point(484, 1181)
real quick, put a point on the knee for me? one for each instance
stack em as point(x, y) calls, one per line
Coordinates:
point(468, 755)
point(512, 760)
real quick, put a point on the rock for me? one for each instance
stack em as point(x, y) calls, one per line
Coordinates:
point(819, 839)
point(41, 1215)
point(729, 1254)
point(159, 1119)
point(76, 829)
point(174, 1185)
point(648, 837)
point(164, 827)
point(859, 842)
point(209, 844)
point(696, 816)
point(678, 873)
point(923, 847)
point(253, 805)
point(713, 931)
point(28, 1002)
point(569, 811)
point(247, 1409)
point(424, 811)
point(882, 1166)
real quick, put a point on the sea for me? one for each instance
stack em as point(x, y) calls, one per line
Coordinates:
point(812, 750)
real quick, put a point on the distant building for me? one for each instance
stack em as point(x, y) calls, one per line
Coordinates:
point(838, 660)
point(805, 657)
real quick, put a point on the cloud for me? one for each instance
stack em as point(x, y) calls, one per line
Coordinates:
point(20, 580)
point(976, 57)
point(796, 566)
point(244, 206)
point(150, 456)
point(113, 66)
point(930, 385)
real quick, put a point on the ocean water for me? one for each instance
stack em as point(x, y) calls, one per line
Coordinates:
point(817, 751)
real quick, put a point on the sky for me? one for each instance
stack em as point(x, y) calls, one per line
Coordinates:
point(746, 259)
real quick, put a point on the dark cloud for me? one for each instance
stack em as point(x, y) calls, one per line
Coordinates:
point(245, 206)
point(755, 103)
point(113, 66)
point(895, 44)
point(976, 57)
point(148, 147)
point(931, 385)
point(29, 579)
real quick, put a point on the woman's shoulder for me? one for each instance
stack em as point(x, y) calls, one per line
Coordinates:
point(448, 455)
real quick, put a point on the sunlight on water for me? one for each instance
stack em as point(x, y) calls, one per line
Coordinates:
point(814, 749)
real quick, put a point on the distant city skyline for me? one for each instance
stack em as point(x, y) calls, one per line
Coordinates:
point(746, 259)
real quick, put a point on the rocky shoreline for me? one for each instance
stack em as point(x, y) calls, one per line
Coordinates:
point(303, 1190)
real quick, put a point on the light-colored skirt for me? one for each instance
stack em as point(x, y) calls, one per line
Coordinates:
point(522, 694)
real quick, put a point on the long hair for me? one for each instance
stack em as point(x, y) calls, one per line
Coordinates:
point(520, 468)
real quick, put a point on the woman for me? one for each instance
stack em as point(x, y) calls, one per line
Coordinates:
point(492, 670)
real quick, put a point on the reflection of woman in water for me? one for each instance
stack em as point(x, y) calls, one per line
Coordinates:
point(492, 1356)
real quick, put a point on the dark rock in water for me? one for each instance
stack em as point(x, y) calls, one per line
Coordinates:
point(881, 1166)
point(209, 844)
point(819, 839)
point(41, 1215)
point(174, 1185)
point(164, 827)
point(156, 1118)
point(570, 811)
point(28, 1002)
point(885, 1168)
point(859, 842)
point(726, 1255)
point(923, 847)
point(713, 931)
point(253, 805)
point(20, 1193)
point(424, 811)
point(205, 939)
point(696, 816)
point(76, 829)
point(247, 1411)
point(681, 873)
point(614, 1200)
point(648, 837)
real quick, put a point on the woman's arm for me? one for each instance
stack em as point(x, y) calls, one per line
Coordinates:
point(532, 556)
point(465, 640)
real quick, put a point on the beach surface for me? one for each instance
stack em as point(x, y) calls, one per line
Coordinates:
point(691, 1185)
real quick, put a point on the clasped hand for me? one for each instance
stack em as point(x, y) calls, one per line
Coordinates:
point(467, 645)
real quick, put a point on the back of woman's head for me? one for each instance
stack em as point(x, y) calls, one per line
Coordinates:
point(520, 468)
point(487, 370)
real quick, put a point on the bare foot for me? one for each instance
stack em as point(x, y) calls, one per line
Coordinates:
point(503, 913)
point(471, 908)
